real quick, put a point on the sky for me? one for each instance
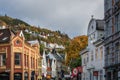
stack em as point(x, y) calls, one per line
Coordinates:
point(68, 16)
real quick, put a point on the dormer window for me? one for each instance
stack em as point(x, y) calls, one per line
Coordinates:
point(5, 38)
point(92, 27)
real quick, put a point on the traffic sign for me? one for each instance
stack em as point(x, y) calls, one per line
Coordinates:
point(75, 71)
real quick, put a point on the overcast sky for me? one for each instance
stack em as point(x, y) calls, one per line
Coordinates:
point(68, 16)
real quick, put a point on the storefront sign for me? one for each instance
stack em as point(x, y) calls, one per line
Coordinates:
point(95, 73)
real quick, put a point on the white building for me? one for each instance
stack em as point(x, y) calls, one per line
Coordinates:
point(52, 60)
point(93, 55)
point(44, 64)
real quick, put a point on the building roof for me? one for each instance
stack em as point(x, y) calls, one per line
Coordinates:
point(55, 55)
point(5, 35)
point(33, 42)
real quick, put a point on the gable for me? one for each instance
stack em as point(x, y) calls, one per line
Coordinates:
point(91, 26)
point(17, 41)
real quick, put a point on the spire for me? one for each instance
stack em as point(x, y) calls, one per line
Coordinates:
point(92, 16)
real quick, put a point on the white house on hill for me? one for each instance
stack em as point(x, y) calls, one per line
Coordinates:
point(53, 61)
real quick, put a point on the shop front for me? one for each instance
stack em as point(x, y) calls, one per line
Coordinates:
point(95, 74)
point(4, 76)
point(112, 74)
point(17, 76)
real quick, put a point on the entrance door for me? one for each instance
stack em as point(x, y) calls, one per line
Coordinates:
point(33, 75)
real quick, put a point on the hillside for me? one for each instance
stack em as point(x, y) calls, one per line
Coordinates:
point(34, 32)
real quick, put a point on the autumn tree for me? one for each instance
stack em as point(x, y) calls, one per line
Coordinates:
point(73, 49)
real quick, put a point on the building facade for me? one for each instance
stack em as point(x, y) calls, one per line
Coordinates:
point(52, 64)
point(93, 55)
point(18, 58)
point(112, 39)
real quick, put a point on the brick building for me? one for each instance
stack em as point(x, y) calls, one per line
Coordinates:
point(18, 58)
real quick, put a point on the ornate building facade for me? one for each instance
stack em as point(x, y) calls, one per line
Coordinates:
point(112, 39)
point(18, 58)
point(93, 55)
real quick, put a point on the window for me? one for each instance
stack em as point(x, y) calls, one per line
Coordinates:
point(27, 59)
point(84, 61)
point(101, 75)
point(101, 52)
point(17, 42)
point(117, 46)
point(96, 54)
point(92, 27)
point(107, 50)
point(92, 58)
point(24, 60)
point(108, 29)
point(117, 23)
point(108, 4)
point(87, 58)
point(113, 58)
point(2, 59)
point(17, 58)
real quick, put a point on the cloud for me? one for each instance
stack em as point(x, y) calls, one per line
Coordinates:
point(69, 16)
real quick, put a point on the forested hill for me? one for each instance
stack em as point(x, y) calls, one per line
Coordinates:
point(35, 32)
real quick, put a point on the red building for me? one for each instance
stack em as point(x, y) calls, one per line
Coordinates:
point(18, 59)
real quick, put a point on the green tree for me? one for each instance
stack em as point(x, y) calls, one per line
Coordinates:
point(42, 47)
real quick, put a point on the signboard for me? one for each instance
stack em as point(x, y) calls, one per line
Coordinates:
point(95, 73)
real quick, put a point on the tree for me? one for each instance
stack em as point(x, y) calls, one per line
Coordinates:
point(73, 49)
point(42, 47)
point(75, 62)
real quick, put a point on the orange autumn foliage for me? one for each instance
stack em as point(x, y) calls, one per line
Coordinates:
point(76, 45)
